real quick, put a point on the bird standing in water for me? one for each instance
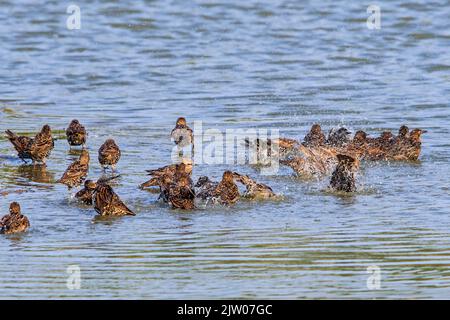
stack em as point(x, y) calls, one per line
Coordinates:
point(108, 203)
point(182, 136)
point(77, 171)
point(14, 221)
point(343, 177)
point(109, 154)
point(37, 149)
point(76, 134)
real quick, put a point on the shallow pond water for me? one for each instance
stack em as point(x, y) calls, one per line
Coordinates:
point(135, 66)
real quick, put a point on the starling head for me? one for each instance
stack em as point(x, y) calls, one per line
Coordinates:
point(46, 129)
point(403, 131)
point(228, 176)
point(14, 208)
point(181, 122)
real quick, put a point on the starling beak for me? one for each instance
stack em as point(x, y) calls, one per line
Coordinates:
point(14, 221)
point(109, 154)
point(76, 134)
point(37, 149)
point(77, 171)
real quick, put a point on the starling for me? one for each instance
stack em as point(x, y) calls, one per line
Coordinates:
point(180, 194)
point(338, 137)
point(77, 171)
point(343, 177)
point(108, 203)
point(315, 137)
point(226, 192)
point(86, 194)
point(37, 149)
point(109, 154)
point(14, 221)
point(205, 187)
point(254, 190)
point(182, 135)
point(76, 134)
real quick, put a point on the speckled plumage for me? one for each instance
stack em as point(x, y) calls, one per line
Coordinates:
point(86, 194)
point(169, 170)
point(226, 192)
point(254, 190)
point(182, 135)
point(180, 194)
point(77, 171)
point(14, 221)
point(108, 203)
point(109, 154)
point(205, 187)
point(338, 137)
point(343, 177)
point(37, 149)
point(76, 133)
point(315, 136)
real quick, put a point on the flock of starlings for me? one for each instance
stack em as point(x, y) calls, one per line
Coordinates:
point(337, 154)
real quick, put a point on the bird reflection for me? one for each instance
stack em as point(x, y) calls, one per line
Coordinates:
point(36, 173)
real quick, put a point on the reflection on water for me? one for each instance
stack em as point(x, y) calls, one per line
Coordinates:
point(134, 67)
point(36, 173)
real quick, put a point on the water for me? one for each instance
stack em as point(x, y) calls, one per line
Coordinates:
point(135, 66)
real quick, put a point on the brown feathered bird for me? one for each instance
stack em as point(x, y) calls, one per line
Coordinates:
point(315, 136)
point(14, 221)
point(86, 194)
point(408, 148)
point(182, 135)
point(108, 203)
point(180, 193)
point(226, 192)
point(338, 137)
point(254, 190)
point(263, 150)
point(403, 132)
point(169, 170)
point(343, 178)
point(76, 134)
point(37, 149)
point(312, 162)
point(205, 187)
point(77, 171)
point(109, 154)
